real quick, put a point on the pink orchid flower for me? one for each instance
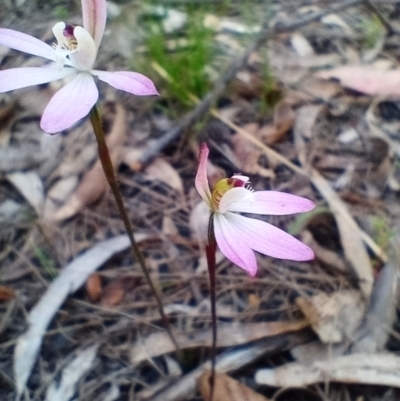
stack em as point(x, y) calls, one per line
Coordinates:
point(238, 236)
point(74, 56)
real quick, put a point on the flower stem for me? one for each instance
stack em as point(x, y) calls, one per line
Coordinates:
point(211, 248)
point(108, 168)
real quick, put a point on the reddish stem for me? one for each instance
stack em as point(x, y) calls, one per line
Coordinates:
point(211, 263)
point(108, 169)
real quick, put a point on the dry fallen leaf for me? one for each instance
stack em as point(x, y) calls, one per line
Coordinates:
point(228, 335)
point(301, 45)
point(247, 154)
point(58, 193)
point(380, 369)
point(283, 120)
point(114, 292)
point(366, 80)
point(306, 118)
point(6, 293)
point(334, 317)
point(169, 227)
point(308, 353)
point(64, 386)
point(31, 187)
point(350, 235)
point(226, 389)
point(184, 388)
point(161, 170)
point(93, 287)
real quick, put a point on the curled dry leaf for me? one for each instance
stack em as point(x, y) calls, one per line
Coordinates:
point(161, 170)
point(334, 317)
point(226, 389)
point(93, 287)
point(94, 183)
point(301, 45)
point(114, 292)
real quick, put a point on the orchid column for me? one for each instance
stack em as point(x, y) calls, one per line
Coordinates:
point(73, 58)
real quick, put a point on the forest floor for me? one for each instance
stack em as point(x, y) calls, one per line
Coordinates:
point(302, 96)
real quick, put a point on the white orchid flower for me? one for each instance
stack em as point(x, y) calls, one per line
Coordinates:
point(74, 55)
point(238, 236)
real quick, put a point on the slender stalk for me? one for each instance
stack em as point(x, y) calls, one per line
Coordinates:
point(211, 263)
point(108, 168)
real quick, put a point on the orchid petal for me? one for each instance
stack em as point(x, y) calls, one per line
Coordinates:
point(71, 103)
point(201, 181)
point(232, 244)
point(271, 202)
point(239, 195)
point(16, 78)
point(94, 14)
point(131, 82)
point(26, 43)
point(85, 55)
point(268, 239)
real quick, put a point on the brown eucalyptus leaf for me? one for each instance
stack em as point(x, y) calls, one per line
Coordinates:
point(6, 293)
point(226, 389)
point(114, 293)
point(94, 287)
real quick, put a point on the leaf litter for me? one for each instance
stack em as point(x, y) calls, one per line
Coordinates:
point(331, 135)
